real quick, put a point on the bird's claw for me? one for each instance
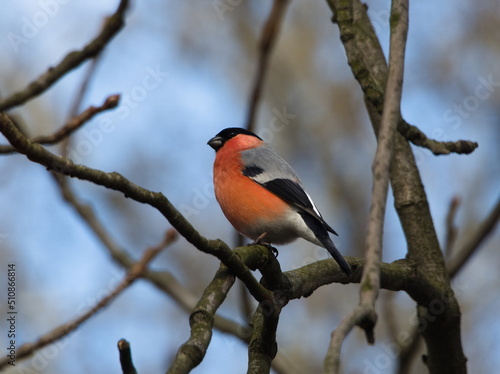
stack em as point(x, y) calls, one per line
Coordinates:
point(259, 241)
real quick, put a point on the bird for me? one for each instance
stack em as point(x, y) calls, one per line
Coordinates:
point(263, 197)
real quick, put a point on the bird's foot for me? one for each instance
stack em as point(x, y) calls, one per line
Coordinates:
point(259, 241)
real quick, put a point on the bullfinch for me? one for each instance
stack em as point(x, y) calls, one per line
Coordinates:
point(262, 196)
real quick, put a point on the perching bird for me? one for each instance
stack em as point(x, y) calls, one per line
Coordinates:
point(262, 196)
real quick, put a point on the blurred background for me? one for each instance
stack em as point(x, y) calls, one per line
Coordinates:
point(185, 70)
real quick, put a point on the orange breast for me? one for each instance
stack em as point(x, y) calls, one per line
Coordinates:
point(245, 204)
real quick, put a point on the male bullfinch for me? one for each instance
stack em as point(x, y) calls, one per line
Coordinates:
point(262, 196)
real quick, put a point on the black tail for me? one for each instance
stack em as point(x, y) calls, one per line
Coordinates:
point(319, 229)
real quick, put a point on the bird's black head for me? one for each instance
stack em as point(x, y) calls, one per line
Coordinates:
point(218, 140)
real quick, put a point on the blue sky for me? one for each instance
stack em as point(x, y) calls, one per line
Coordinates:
point(183, 77)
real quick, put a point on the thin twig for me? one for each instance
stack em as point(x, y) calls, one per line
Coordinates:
point(364, 314)
point(65, 329)
point(163, 280)
point(417, 137)
point(77, 101)
point(126, 357)
point(470, 246)
point(267, 40)
point(82, 91)
point(113, 24)
point(409, 351)
point(115, 181)
point(451, 229)
point(71, 126)
point(389, 315)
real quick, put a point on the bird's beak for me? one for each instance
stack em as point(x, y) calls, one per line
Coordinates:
point(216, 142)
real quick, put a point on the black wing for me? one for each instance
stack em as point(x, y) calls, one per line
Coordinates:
point(294, 194)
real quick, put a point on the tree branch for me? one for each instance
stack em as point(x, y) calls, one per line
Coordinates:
point(113, 24)
point(364, 314)
point(117, 182)
point(165, 281)
point(126, 357)
point(268, 38)
point(451, 229)
point(470, 246)
point(201, 320)
point(71, 126)
point(396, 276)
point(65, 329)
point(263, 347)
point(442, 330)
point(417, 137)
point(367, 62)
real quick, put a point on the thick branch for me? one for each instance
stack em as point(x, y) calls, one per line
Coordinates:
point(381, 167)
point(364, 315)
point(72, 60)
point(165, 281)
point(368, 65)
point(442, 331)
point(464, 254)
point(201, 320)
point(263, 347)
point(304, 281)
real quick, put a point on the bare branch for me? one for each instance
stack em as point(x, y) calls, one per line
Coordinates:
point(367, 62)
point(409, 351)
point(78, 99)
point(364, 315)
point(126, 357)
point(464, 254)
point(71, 126)
point(304, 281)
point(65, 329)
point(263, 347)
point(451, 229)
point(115, 181)
point(417, 137)
point(201, 320)
point(165, 281)
point(269, 35)
point(113, 24)
point(389, 315)
point(474, 242)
